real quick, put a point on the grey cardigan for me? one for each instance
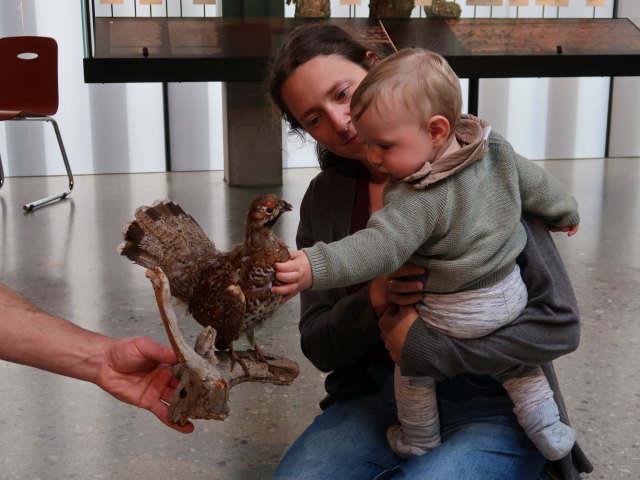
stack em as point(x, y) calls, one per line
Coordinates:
point(465, 228)
point(339, 331)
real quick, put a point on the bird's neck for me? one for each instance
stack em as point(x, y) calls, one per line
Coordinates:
point(259, 238)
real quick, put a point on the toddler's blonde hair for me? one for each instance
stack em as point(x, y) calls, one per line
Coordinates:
point(415, 79)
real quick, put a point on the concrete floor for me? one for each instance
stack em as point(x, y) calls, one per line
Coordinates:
point(63, 257)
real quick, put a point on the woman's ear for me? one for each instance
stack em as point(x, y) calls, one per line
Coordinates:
point(371, 59)
point(439, 129)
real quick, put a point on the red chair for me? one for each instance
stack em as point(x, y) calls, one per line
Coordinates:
point(29, 91)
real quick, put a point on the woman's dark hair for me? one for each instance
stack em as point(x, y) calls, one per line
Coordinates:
point(302, 45)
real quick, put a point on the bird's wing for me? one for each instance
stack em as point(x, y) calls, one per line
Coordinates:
point(220, 303)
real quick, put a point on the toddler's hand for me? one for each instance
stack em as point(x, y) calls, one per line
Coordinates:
point(295, 274)
point(571, 231)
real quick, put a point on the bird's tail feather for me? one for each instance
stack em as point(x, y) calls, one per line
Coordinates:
point(163, 234)
point(140, 247)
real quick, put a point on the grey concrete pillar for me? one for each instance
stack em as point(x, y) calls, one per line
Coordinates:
point(253, 151)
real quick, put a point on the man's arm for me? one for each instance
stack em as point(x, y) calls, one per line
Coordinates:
point(134, 370)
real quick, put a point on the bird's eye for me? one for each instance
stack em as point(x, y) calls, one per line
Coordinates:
point(269, 207)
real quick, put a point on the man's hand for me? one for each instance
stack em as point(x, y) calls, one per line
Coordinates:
point(137, 371)
point(296, 274)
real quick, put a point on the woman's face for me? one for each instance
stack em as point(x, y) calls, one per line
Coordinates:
point(318, 94)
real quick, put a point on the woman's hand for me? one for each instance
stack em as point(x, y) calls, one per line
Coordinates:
point(392, 298)
point(396, 288)
point(394, 325)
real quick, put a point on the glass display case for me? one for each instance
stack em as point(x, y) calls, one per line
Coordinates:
point(188, 40)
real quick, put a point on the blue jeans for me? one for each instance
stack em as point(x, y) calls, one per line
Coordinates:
point(481, 440)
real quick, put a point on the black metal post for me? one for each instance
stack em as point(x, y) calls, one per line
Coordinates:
point(88, 32)
point(167, 129)
point(474, 93)
point(609, 112)
point(610, 105)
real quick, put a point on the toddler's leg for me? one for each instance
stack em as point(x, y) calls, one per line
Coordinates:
point(418, 414)
point(538, 414)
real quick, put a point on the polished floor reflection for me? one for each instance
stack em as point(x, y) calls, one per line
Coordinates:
point(63, 257)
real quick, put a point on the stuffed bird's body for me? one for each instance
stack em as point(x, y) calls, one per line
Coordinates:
point(229, 291)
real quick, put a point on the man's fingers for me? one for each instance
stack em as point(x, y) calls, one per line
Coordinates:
point(167, 393)
point(161, 410)
point(155, 351)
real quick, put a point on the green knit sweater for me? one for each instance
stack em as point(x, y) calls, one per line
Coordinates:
point(465, 228)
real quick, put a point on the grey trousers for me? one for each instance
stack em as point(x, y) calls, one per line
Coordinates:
point(469, 314)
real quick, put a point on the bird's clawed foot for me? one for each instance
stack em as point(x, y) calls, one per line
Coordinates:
point(259, 354)
point(236, 358)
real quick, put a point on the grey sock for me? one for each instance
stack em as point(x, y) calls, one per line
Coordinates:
point(551, 437)
point(538, 414)
point(418, 414)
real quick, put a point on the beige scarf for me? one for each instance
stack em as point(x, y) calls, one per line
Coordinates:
point(472, 134)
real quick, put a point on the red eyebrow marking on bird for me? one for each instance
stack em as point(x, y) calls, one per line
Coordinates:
point(269, 204)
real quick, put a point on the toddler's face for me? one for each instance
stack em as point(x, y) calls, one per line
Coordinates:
point(397, 144)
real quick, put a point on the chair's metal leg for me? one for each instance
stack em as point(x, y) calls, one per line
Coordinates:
point(66, 193)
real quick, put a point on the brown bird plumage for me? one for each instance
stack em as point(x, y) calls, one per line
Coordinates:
point(230, 291)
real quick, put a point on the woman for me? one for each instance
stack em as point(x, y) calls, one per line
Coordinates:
point(313, 77)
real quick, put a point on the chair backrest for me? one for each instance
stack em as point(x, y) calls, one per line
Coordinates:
point(28, 76)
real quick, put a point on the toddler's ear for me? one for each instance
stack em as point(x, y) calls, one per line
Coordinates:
point(439, 128)
point(371, 59)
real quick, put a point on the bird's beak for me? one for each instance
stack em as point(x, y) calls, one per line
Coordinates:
point(286, 206)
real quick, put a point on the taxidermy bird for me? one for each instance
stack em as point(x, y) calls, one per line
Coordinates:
point(229, 291)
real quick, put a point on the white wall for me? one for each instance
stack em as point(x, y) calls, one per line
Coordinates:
point(119, 127)
point(625, 122)
point(105, 128)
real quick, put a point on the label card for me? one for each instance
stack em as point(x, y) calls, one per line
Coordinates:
point(553, 3)
point(485, 3)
